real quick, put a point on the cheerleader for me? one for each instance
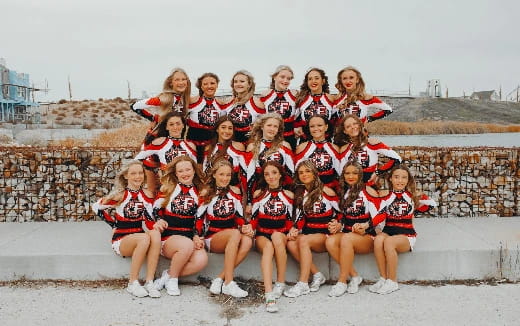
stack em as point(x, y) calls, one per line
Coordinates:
point(314, 99)
point(132, 207)
point(163, 149)
point(226, 232)
point(267, 144)
point(272, 219)
point(204, 112)
point(175, 209)
point(316, 206)
point(355, 144)
point(398, 208)
point(358, 203)
point(223, 145)
point(244, 108)
point(352, 98)
point(319, 151)
point(174, 97)
point(280, 99)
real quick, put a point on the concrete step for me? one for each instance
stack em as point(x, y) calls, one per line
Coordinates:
point(446, 249)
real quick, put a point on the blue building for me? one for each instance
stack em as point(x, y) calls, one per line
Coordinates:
point(15, 95)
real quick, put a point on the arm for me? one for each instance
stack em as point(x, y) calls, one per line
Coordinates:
point(377, 104)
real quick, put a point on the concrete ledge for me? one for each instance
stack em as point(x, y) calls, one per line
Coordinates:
point(446, 249)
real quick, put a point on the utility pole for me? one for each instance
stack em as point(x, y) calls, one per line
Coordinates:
point(129, 94)
point(70, 89)
point(446, 92)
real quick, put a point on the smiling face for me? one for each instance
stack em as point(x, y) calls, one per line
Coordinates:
point(179, 82)
point(282, 80)
point(351, 175)
point(399, 179)
point(315, 82)
point(349, 80)
point(184, 172)
point(317, 128)
point(209, 86)
point(223, 176)
point(174, 127)
point(135, 176)
point(225, 131)
point(351, 127)
point(305, 175)
point(270, 128)
point(241, 84)
point(272, 176)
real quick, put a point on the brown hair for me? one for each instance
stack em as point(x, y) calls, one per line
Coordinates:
point(358, 93)
point(341, 138)
point(315, 189)
point(161, 131)
point(410, 186)
point(262, 184)
point(169, 180)
point(304, 87)
point(354, 189)
point(198, 84)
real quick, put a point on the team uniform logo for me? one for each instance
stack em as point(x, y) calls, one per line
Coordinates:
point(322, 160)
point(133, 209)
point(274, 207)
point(173, 152)
point(223, 207)
point(177, 105)
point(315, 108)
point(208, 115)
point(241, 116)
point(280, 106)
point(354, 109)
point(276, 156)
point(399, 208)
point(319, 207)
point(363, 158)
point(184, 204)
point(356, 208)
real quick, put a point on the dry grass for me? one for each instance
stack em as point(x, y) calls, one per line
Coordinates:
point(386, 127)
point(130, 135)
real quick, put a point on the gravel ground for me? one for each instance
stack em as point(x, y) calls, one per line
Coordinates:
point(51, 303)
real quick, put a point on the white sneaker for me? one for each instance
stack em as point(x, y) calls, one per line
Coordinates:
point(353, 285)
point(136, 289)
point(216, 286)
point(317, 280)
point(377, 285)
point(172, 286)
point(278, 289)
point(233, 290)
point(389, 287)
point(298, 289)
point(152, 291)
point(338, 289)
point(161, 282)
point(270, 302)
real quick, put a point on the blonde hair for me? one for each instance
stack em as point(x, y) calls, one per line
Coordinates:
point(210, 182)
point(410, 186)
point(121, 182)
point(257, 134)
point(167, 94)
point(341, 138)
point(358, 93)
point(277, 71)
point(169, 180)
point(250, 91)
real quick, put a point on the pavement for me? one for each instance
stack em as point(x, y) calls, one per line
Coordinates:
point(446, 249)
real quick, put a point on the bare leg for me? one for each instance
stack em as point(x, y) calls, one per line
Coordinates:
point(235, 247)
point(308, 243)
point(153, 254)
point(393, 245)
point(352, 243)
point(135, 245)
point(333, 245)
point(279, 241)
point(179, 249)
point(265, 247)
point(379, 253)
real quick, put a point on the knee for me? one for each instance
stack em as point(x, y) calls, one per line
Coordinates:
point(303, 241)
point(268, 248)
point(277, 239)
point(346, 242)
point(145, 241)
point(378, 242)
point(155, 236)
point(388, 245)
point(202, 259)
point(235, 236)
point(246, 242)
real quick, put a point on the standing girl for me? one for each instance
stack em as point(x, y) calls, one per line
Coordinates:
point(398, 208)
point(226, 232)
point(133, 207)
point(175, 210)
point(272, 219)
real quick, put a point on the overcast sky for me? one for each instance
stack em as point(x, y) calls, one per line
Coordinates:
point(468, 45)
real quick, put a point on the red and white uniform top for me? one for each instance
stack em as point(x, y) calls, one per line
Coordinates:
point(360, 210)
point(397, 211)
point(361, 108)
point(315, 105)
point(179, 212)
point(283, 103)
point(237, 158)
point(141, 107)
point(204, 113)
point(243, 116)
point(165, 152)
point(129, 216)
point(224, 211)
point(272, 212)
point(323, 211)
point(368, 157)
point(325, 158)
point(283, 156)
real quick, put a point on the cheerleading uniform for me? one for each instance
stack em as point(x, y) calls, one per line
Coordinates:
point(130, 216)
point(202, 116)
point(243, 116)
point(153, 155)
point(359, 211)
point(325, 158)
point(368, 157)
point(223, 212)
point(240, 161)
point(283, 156)
point(360, 108)
point(316, 221)
point(179, 212)
point(314, 105)
point(397, 211)
point(283, 103)
point(272, 212)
